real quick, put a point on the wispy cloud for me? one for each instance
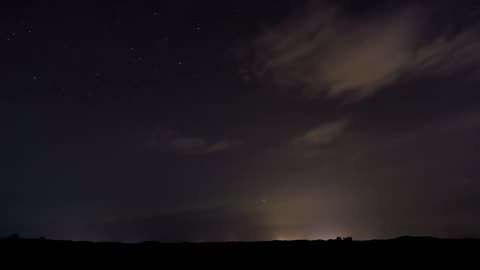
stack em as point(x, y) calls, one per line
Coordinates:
point(323, 134)
point(450, 53)
point(197, 145)
point(171, 141)
point(327, 52)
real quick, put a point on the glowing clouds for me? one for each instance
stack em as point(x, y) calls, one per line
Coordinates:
point(325, 52)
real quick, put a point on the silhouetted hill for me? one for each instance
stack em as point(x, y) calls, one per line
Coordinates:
point(399, 249)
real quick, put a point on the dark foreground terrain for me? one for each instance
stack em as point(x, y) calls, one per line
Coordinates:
point(409, 251)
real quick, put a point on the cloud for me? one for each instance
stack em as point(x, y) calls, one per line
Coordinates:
point(323, 134)
point(327, 52)
point(450, 53)
point(172, 141)
point(196, 145)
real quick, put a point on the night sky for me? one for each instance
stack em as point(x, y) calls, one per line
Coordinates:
point(239, 120)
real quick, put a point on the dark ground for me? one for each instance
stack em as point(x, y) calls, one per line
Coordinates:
point(404, 251)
